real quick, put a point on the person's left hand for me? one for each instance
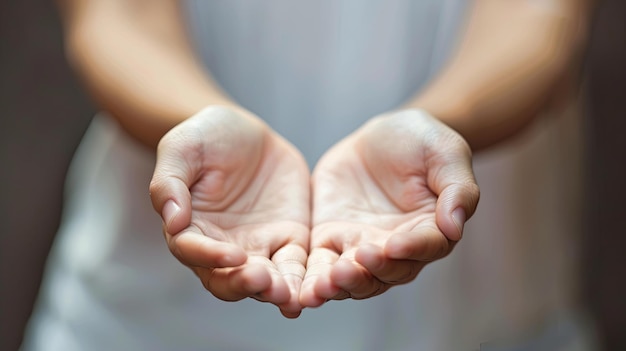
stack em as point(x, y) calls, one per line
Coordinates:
point(388, 199)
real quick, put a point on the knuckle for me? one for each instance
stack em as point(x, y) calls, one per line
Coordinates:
point(206, 277)
point(155, 186)
point(206, 283)
point(175, 250)
point(473, 190)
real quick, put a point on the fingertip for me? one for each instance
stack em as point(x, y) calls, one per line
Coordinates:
point(397, 248)
point(171, 217)
point(370, 257)
point(347, 275)
point(311, 301)
point(170, 211)
point(341, 272)
point(455, 205)
point(307, 297)
point(293, 307)
point(458, 217)
point(195, 249)
point(236, 257)
point(290, 310)
point(290, 314)
point(427, 244)
point(256, 279)
point(325, 289)
point(452, 223)
point(279, 293)
point(265, 286)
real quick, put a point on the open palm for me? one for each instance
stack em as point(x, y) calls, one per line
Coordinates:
point(387, 200)
point(234, 197)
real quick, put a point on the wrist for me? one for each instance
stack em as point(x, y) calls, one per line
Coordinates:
point(455, 111)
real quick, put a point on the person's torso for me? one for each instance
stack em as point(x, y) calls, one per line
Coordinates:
point(316, 70)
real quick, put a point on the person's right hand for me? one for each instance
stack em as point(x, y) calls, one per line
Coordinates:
point(234, 198)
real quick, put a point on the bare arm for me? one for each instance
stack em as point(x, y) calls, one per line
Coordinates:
point(512, 56)
point(136, 59)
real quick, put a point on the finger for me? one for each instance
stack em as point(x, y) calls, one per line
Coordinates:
point(451, 178)
point(388, 271)
point(290, 261)
point(278, 292)
point(423, 244)
point(290, 314)
point(455, 205)
point(196, 250)
point(169, 187)
point(236, 283)
point(355, 279)
point(317, 286)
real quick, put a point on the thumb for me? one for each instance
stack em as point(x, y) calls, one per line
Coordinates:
point(452, 180)
point(169, 188)
point(455, 205)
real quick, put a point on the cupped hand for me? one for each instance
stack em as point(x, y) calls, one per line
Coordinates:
point(234, 198)
point(388, 199)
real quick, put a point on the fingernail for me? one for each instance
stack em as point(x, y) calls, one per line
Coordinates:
point(458, 216)
point(170, 211)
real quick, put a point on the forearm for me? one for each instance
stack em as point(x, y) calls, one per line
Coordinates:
point(513, 55)
point(138, 64)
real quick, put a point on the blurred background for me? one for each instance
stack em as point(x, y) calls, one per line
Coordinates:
point(44, 112)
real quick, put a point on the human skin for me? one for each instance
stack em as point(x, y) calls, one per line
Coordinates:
point(388, 199)
point(236, 209)
point(135, 58)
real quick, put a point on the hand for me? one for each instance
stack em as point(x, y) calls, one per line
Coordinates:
point(234, 198)
point(388, 199)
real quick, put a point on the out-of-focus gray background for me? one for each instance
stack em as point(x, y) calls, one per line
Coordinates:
point(44, 111)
